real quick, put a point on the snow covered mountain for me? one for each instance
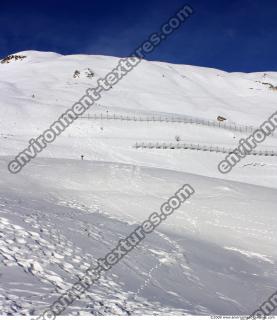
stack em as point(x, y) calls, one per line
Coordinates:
point(215, 255)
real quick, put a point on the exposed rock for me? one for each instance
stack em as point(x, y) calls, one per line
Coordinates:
point(89, 73)
point(220, 118)
point(76, 74)
point(12, 57)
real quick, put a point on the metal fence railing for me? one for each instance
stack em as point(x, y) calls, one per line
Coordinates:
point(170, 119)
point(199, 147)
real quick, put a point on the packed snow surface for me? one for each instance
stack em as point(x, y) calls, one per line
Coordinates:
point(215, 255)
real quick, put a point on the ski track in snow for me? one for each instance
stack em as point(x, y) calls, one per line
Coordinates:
point(53, 241)
point(215, 255)
point(48, 255)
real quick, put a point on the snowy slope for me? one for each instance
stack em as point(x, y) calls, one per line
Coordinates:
point(216, 254)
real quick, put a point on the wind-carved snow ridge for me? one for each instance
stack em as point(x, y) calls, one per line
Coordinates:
point(215, 255)
point(251, 254)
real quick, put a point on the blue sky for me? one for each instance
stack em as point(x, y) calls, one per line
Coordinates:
point(233, 35)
